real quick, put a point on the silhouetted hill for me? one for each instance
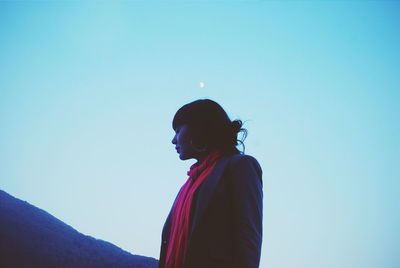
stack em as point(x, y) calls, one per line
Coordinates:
point(32, 238)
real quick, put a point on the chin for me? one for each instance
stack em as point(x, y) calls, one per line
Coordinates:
point(184, 157)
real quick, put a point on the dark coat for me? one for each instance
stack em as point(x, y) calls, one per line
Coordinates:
point(226, 223)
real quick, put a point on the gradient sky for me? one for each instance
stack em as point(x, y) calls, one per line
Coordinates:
point(88, 90)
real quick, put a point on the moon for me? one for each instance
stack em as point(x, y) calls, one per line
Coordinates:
point(201, 84)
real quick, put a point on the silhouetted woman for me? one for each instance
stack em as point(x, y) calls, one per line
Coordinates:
point(216, 219)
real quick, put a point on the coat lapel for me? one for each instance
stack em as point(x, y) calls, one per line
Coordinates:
point(206, 191)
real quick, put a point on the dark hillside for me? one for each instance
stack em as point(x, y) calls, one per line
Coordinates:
point(30, 237)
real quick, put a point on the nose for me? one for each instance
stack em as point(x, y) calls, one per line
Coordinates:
point(174, 140)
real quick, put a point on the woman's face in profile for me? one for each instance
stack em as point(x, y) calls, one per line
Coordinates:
point(183, 142)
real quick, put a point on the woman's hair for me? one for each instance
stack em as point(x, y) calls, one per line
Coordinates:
point(210, 126)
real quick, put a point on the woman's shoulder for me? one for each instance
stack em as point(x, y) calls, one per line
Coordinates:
point(243, 169)
point(240, 160)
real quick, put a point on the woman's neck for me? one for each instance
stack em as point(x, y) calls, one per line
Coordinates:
point(202, 156)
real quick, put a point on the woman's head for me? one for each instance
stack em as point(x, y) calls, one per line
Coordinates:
point(202, 126)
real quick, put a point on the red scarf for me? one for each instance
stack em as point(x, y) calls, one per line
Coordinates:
point(179, 233)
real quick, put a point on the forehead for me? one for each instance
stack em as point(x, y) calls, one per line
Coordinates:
point(184, 115)
point(178, 122)
point(182, 127)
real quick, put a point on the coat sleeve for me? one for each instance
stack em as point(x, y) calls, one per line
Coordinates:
point(247, 196)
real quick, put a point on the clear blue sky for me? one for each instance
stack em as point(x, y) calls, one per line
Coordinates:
point(88, 91)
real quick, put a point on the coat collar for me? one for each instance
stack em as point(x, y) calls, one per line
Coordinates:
point(206, 192)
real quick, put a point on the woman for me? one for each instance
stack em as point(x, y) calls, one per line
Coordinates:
point(216, 219)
